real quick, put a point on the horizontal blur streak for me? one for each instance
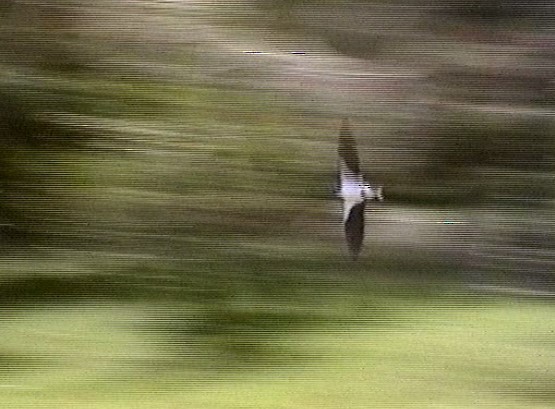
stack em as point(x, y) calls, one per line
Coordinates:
point(170, 232)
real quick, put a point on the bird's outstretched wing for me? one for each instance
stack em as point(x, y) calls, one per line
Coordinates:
point(354, 227)
point(348, 156)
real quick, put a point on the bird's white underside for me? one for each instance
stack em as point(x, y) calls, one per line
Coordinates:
point(352, 193)
point(354, 190)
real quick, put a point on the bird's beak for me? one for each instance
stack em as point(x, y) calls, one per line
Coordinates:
point(379, 194)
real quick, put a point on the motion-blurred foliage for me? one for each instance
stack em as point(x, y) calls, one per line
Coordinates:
point(99, 153)
point(167, 174)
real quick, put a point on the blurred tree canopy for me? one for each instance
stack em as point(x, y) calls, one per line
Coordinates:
point(179, 133)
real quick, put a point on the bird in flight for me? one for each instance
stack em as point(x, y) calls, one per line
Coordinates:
point(353, 190)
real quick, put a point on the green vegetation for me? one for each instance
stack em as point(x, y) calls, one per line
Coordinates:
point(169, 233)
point(334, 342)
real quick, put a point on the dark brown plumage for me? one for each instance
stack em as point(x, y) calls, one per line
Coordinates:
point(354, 229)
point(347, 148)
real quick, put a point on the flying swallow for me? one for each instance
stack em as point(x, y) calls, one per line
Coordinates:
point(353, 189)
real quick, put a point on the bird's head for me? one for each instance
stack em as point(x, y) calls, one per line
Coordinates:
point(373, 193)
point(379, 193)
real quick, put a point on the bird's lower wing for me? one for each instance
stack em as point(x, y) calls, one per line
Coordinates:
point(354, 226)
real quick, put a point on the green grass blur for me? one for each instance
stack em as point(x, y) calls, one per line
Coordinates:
point(332, 343)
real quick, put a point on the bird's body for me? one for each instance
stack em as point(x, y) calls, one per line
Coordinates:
point(354, 190)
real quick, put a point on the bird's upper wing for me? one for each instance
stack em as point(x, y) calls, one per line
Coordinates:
point(348, 155)
point(354, 226)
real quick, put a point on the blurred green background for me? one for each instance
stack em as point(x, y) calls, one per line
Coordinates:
point(169, 233)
